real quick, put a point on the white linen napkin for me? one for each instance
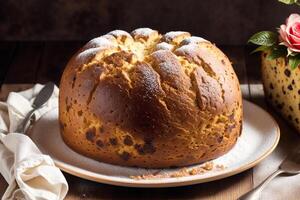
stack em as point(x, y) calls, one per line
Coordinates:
point(282, 187)
point(29, 173)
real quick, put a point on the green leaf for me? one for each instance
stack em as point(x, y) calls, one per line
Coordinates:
point(294, 61)
point(264, 38)
point(277, 52)
point(261, 48)
point(288, 1)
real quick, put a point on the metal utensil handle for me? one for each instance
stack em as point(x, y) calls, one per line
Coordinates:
point(22, 126)
point(255, 192)
point(41, 98)
point(44, 95)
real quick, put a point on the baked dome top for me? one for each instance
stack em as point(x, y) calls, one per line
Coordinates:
point(151, 91)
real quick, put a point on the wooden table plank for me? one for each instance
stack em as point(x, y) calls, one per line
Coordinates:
point(54, 59)
point(229, 188)
point(3, 185)
point(7, 50)
point(25, 63)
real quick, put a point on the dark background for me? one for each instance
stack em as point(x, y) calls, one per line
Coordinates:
point(38, 37)
point(225, 22)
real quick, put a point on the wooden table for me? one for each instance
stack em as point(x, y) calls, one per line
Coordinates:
point(25, 63)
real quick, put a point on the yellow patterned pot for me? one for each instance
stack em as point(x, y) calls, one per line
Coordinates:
point(282, 88)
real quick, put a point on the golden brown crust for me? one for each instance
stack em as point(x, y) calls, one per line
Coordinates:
point(149, 100)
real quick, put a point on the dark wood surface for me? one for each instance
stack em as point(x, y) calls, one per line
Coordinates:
point(32, 62)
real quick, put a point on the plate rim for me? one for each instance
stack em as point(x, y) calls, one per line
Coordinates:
point(169, 182)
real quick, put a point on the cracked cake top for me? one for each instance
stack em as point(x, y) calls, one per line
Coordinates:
point(153, 89)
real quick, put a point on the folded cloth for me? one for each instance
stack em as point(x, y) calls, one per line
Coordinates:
point(29, 173)
point(281, 187)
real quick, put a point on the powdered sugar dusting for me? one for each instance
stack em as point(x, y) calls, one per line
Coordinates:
point(164, 46)
point(193, 40)
point(187, 49)
point(143, 32)
point(173, 34)
point(118, 33)
point(86, 55)
point(98, 42)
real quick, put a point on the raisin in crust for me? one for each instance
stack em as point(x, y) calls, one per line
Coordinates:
point(150, 100)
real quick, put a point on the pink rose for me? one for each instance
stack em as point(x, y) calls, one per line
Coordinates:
point(290, 33)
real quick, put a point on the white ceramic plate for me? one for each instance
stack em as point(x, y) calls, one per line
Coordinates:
point(259, 138)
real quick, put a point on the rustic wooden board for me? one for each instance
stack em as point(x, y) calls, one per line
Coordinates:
point(229, 188)
point(3, 185)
